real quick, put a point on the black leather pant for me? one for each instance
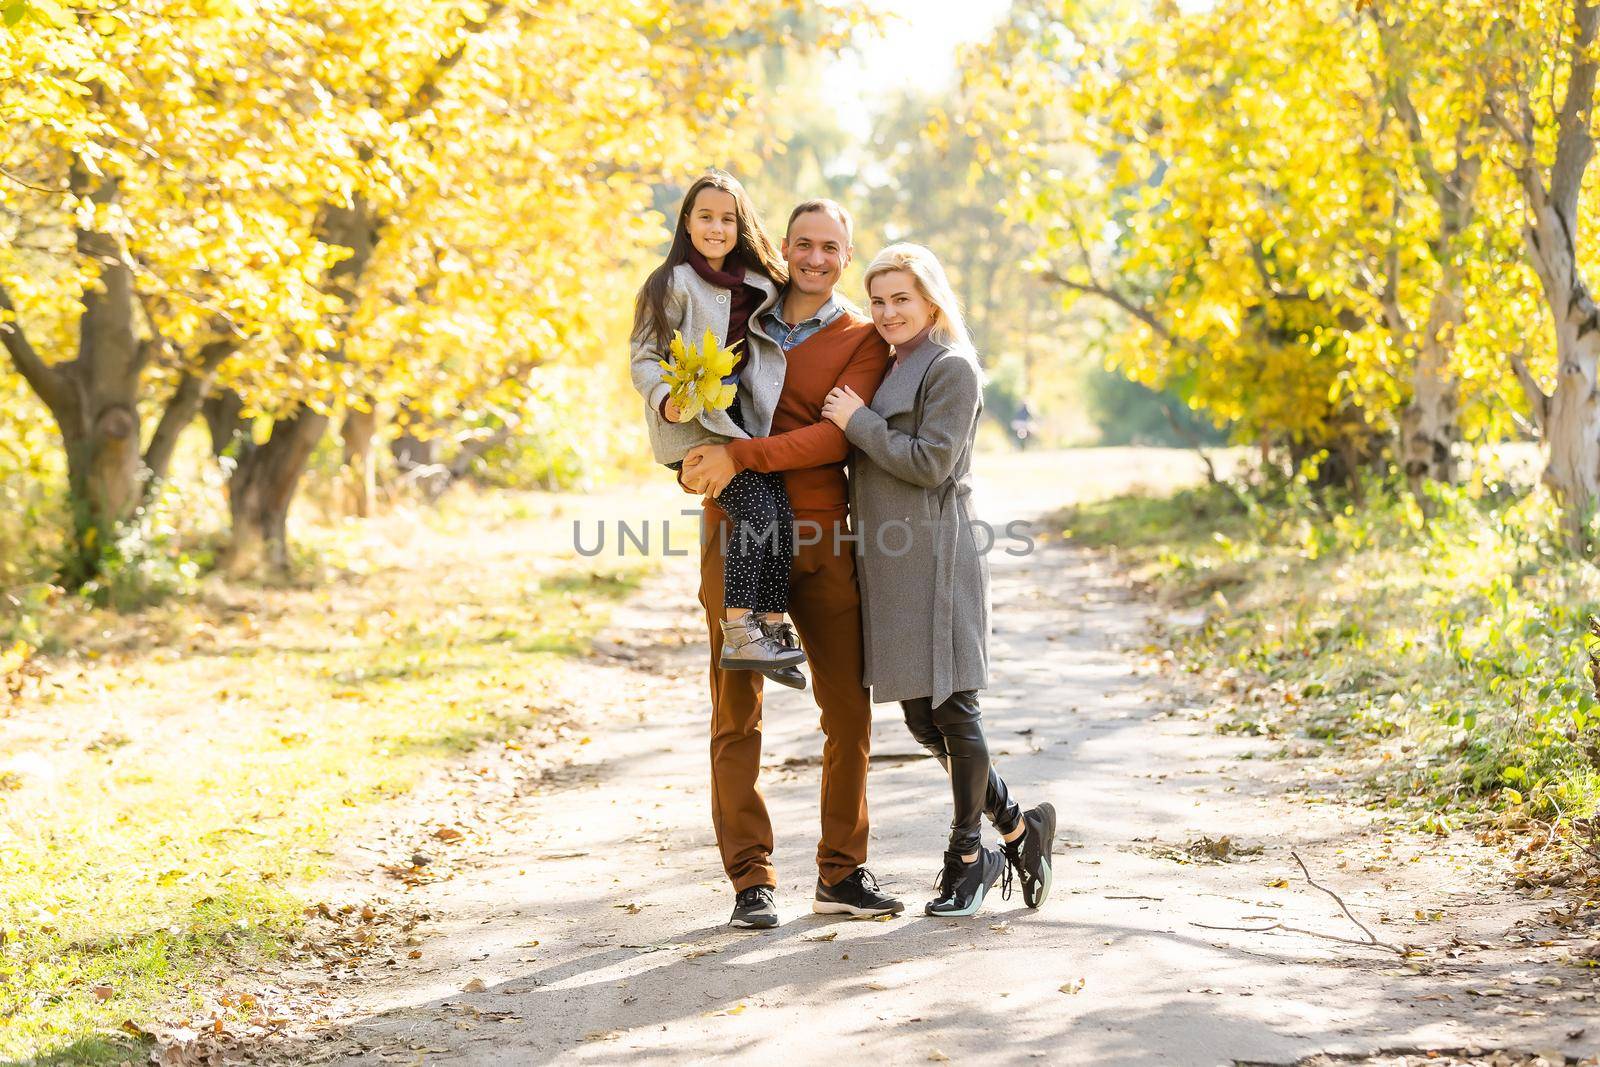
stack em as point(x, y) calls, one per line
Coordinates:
point(953, 732)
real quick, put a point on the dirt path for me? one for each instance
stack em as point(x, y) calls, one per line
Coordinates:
point(583, 919)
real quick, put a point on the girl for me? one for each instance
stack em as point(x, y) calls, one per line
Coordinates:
point(924, 584)
point(721, 271)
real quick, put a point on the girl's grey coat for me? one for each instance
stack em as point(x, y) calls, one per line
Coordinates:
point(924, 584)
point(693, 306)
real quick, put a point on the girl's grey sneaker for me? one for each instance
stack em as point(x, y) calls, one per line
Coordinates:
point(755, 908)
point(1030, 854)
point(963, 885)
point(747, 647)
point(784, 634)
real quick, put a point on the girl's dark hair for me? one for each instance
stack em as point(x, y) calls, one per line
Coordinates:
point(753, 250)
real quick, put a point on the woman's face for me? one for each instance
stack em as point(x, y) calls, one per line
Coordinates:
point(899, 309)
point(714, 224)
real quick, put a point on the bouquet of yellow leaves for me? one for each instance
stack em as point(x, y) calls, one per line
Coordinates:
point(695, 374)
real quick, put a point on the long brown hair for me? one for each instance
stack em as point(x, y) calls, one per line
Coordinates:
point(753, 249)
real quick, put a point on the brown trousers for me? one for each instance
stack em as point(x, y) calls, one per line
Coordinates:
point(825, 607)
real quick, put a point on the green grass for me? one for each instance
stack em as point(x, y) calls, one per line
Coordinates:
point(1453, 643)
point(167, 805)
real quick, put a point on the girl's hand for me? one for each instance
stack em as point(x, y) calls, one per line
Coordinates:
point(670, 409)
point(841, 403)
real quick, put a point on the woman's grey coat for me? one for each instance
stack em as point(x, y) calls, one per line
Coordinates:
point(696, 305)
point(924, 584)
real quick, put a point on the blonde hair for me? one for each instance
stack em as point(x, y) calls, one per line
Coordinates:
point(948, 327)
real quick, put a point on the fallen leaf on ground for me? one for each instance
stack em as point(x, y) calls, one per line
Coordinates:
point(477, 985)
point(829, 936)
point(1074, 986)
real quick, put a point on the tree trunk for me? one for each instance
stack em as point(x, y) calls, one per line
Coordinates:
point(1430, 424)
point(419, 460)
point(102, 480)
point(264, 482)
point(94, 398)
point(358, 472)
point(260, 490)
point(221, 411)
point(1570, 416)
point(182, 407)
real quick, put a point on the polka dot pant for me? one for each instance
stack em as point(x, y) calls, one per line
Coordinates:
point(759, 553)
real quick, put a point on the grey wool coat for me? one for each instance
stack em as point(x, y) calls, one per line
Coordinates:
point(693, 306)
point(924, 584)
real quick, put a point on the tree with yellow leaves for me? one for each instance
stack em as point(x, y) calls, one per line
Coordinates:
point(285, 206)
point(1283, 202)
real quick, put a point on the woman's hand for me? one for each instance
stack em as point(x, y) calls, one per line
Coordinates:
point(841, 403)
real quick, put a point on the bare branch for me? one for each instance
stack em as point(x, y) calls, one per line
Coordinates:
point(26, 184)
point(1339, 901)
point(1538, 399)
point(45, 380)
point(1371, 941)
point(1574, 139)
point(1121, 300)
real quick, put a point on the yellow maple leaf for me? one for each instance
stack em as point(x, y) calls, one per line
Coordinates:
point(694, 374)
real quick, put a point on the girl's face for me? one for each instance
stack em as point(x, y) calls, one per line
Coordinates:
point(899, 310)
point(714, 225)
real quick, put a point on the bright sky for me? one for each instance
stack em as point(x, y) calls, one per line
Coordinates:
point(916, 50)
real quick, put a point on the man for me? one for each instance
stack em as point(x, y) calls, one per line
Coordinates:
point(826, 344)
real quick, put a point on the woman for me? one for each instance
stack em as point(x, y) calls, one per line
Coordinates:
point(924, 584)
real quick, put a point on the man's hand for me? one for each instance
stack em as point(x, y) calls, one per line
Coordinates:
point(841, 402)
point(690, 477)
point(712, 466)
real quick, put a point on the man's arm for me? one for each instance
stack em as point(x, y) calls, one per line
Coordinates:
point(822, 442)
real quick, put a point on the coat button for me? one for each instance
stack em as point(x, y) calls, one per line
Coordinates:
point(722, 298)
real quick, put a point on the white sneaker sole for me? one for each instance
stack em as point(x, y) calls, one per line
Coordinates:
point(977, 902)
point(834, 907)
point(1044, 891)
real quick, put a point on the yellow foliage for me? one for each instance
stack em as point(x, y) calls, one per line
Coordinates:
point(1255, 194)
point(695, 374)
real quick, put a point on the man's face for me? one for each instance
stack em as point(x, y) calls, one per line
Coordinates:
point(817, 251)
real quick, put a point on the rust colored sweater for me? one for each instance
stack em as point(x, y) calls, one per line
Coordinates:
point(809, 449)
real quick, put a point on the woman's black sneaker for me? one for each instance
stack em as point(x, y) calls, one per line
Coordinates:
point(963, 885)
point(755, 908)
point(1030, 854)
point(856, 894)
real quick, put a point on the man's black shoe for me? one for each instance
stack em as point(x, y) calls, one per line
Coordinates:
point(856, 894)
point(1030, 854)
point(755, 908)
point(964, 885)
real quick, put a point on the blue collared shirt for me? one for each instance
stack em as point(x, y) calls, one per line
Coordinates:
point(789, 336)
